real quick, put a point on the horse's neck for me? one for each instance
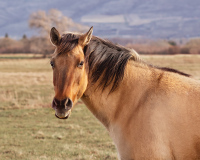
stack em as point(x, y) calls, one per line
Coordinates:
point(110, 108)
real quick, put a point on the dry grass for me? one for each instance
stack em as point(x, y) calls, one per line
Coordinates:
point(186, 63)
point(25, 83)
point(29, 129)
point(19, 56)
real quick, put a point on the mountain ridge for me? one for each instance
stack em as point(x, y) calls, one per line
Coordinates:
point(119, 18)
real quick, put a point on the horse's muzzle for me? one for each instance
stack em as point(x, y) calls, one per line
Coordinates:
point(62, 107)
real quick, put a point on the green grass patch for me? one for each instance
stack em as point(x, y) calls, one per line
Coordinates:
point(38, 134)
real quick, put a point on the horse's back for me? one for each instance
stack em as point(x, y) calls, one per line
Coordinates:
point(166, 123)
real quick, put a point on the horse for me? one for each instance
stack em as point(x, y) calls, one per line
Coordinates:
point(150, 112)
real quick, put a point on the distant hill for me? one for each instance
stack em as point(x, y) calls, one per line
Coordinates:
point(119, 18)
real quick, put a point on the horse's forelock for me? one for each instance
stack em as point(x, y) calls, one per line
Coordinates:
point(67, 43)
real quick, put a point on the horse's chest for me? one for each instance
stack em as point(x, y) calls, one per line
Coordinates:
point(130, 147)
point(124, 149)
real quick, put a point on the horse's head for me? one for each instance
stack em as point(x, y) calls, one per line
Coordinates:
point(70, 73)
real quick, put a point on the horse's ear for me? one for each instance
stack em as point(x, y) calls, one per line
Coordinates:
point(85, 38)
point(55, 36)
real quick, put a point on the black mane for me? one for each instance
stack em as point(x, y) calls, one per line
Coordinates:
point(174, 70)
point(107, 62)
point(170, 70)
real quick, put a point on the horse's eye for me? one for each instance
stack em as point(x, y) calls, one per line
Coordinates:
point(52, 64)
point(80, 65)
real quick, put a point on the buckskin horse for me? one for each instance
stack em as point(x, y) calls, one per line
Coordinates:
point(150, 112)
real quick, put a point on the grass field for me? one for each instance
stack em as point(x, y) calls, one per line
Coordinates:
point(29, 129)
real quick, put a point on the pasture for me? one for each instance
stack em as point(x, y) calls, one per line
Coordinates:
point(29, 129)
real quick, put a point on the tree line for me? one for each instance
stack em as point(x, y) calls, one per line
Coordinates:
point(42, 22)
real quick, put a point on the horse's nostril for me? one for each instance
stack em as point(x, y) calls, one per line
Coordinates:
point(62, 104)
point(54, 104)
point(54, 101)
point(68, 104)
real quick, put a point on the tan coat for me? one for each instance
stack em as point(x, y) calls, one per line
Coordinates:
point(152, 115)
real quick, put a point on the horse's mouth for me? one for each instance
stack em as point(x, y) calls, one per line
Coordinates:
point(63, 117)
